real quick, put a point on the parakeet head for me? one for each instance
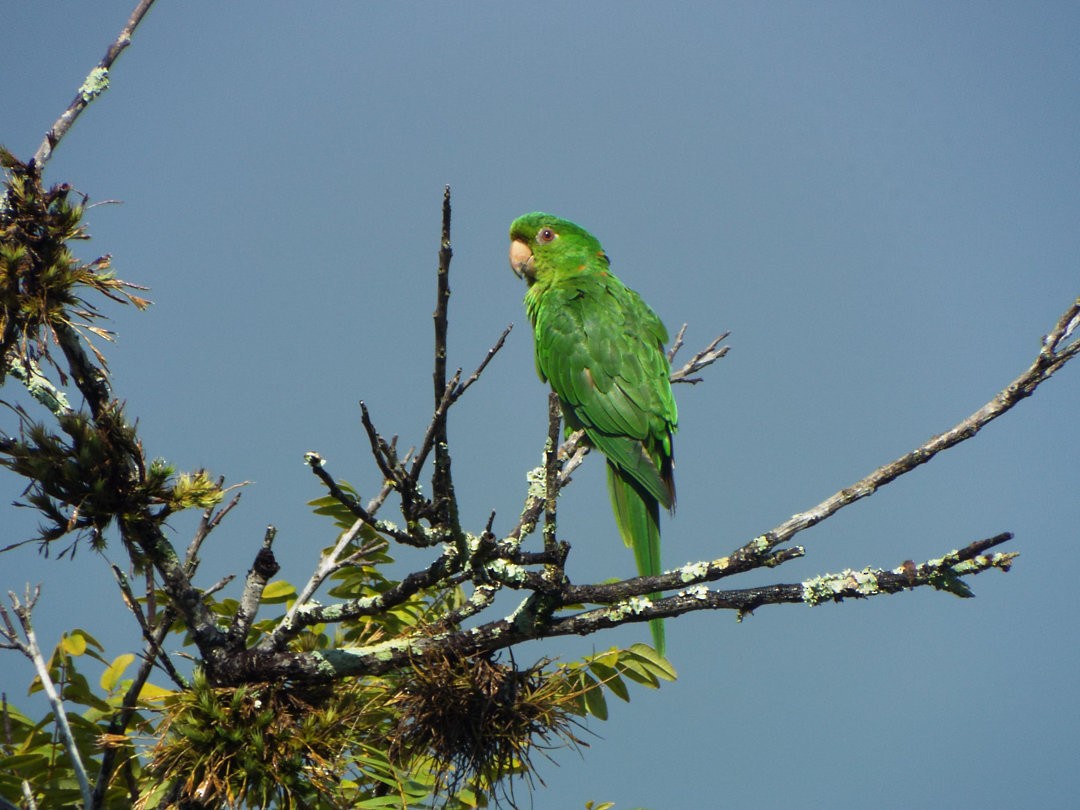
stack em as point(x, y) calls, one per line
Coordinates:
point(542, 243)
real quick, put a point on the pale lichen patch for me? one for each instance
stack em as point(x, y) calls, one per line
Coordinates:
point(507, 572)
point(693, 571)
point(631, 607)
point(830, 587)
point(696, 592)
point(759, 544)
point(96, 83)
point(537, 479)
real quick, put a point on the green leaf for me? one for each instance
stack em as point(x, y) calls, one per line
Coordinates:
point(34, 762)
point(150, 692)
point(279, 591)
point(657, 664)
point(633, 668)
point(594, 698)
point(94, 648)
point(610, 678)
point(74, 644)
point(111, 676)
point(77, 690)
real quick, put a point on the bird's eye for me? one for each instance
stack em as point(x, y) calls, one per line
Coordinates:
point(545, 235)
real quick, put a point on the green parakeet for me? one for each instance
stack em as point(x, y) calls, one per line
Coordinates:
point(600, 347)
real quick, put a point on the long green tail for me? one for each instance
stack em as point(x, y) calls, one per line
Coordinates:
point(637, 514)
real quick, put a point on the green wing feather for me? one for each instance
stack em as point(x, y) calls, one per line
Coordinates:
point(601, 348)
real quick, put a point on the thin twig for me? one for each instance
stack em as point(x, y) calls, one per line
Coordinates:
point(438, 574)
point(329, 563)
point(318, 466)
point(478, 601)
point(210, 520)
point(153, 654)
point(220, 585)
point(451, 394)
point(570, 453)
point(551, 474)
point(706, 357)
point(413, 505)
point(1053, 354)
point(152, 635)
point(437, 424)
point(461, 389)
point(676, 344)
point(384, 453)
point(95, 84)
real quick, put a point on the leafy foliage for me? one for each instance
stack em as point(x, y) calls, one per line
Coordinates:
point(445, 734)
point(33, 754)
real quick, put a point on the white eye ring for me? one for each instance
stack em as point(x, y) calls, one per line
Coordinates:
point(545, 235)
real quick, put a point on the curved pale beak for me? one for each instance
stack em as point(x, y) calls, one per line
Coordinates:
point(521, 260)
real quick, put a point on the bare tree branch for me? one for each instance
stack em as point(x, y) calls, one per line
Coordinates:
point(442, 482)
point(330, 562)
point(530, 621)
point(95, 84)
point(210, 520)
point(943, 573)
point(264, 567)
point(318, 466)
point(436, 574)
point(551, 474)
point(706, 357)
point(1056, 350)
point(451, 394)
point(152, 635)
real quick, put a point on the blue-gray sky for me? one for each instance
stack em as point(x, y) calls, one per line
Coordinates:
point(881, 202)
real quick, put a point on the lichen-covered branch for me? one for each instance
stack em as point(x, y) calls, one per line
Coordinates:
point(1058, 347)
point(944, 573)
point(264, 567)
point(530, 621)
point(95, 84)
point(328, 564)
point(305, 615)
point(40, 387)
